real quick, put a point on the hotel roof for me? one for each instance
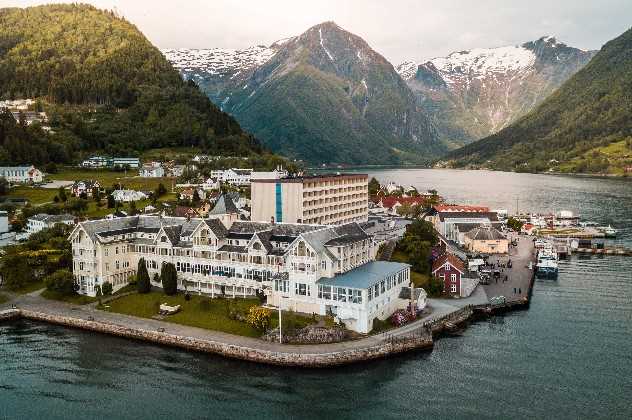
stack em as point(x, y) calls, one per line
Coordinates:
point(364, 276)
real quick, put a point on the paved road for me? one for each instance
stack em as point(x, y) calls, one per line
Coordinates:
point(519, 276)
point(36, 303)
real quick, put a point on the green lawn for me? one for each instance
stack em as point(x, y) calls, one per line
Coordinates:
point(108, 178)
point(31, 287)
point(201, 312)
point(33, 195)
point(419, 279)
point(212, 315)
point(76, 299)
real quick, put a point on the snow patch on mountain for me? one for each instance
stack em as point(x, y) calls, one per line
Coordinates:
point(479, 63)
point(407, 70)
point(219, 61)
point(483, 62)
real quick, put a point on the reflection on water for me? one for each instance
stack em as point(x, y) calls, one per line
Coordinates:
point(568, 356)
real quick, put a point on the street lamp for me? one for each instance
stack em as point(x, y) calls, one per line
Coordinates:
point(280, 312)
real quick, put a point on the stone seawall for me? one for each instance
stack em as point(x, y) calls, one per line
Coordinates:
point(259, 355)
point(9, 314)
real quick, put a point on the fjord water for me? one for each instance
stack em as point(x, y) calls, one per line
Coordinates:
point(568, 356)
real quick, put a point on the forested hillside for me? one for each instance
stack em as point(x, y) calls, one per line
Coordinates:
point(104, 86)
point(585, 126)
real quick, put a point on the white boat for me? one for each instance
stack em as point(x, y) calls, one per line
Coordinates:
point(609, 231)
point(588, 224)
point(547, 262)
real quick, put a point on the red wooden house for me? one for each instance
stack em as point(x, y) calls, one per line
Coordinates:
point(450, 269)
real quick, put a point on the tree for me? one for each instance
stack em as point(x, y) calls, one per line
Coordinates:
point(143, 285)
point(160, 190)
point(132, 208)
point(61, 281)
point(417, 244)
point(106, 288)
point(16, 272)
point(111, 201)
point(96, 194)
point(62, 194)
point(196, 197)
point(374, 186)
point(169, 278)
point(514, 224)
point(4, 186)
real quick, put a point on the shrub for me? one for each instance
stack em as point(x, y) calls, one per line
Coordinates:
point(106, 288)
point(61, 281)
point(259, 317)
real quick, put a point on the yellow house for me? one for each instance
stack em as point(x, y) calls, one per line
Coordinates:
point(486, 240)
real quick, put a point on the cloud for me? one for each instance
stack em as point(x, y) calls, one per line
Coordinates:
point(398, 29)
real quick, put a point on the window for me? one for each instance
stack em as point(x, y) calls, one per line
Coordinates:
point(107, 252)
point(453, 277)
point(453, 288)
point(324, 292)
point(282, 286)
point(301, 289)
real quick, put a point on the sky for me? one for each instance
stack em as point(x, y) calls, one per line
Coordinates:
point(398, 29)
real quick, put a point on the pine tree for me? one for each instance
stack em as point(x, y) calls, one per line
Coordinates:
point(169, 279)
point(143, 284)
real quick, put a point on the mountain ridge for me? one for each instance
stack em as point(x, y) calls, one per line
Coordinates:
point(584, 126)
point(366, 112)
point(474, 93)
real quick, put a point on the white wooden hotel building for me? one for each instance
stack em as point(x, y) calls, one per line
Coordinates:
point(308, 268)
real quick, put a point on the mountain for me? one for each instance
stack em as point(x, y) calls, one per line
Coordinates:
point(584, 126)
point(472, 94)
point(324, 96)
point(105, 86)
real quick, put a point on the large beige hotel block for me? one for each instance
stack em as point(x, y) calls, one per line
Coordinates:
point(324, 199)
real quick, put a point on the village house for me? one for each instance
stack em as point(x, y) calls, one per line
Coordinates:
point(453, 222)
point(391, 204)
point(305, 268)
point(233, 176)
point(127, 196)
point(189, 194)
point(152, 170)
point(104, 162)
point(43, 221)
point(27, 174)
point(29, 117)
point(486, 240)
point(84, 187)
point(452, 272)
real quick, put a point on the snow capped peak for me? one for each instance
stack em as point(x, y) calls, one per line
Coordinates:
point(407, 70)
point(221, 61)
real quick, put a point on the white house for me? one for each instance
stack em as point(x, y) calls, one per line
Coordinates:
point(6, 237)
point(125, 161)
point(278, 173)
point(43, 221)
point(21, 174)
point(80, 187)
point(233, 176)
point(128, 195)
point(306, 268)
point(152, 170)
point(95, 162)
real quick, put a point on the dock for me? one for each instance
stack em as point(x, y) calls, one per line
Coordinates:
point(626, 252)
